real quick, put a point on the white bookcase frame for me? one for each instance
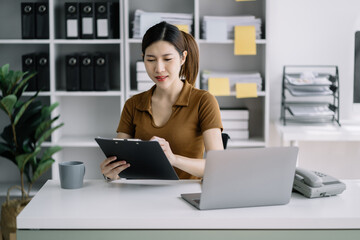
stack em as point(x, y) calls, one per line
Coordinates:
point(88, 114)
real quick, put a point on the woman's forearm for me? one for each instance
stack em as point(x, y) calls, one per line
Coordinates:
point(194, 166)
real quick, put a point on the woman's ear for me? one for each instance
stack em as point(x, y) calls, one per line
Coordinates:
point(183, 59)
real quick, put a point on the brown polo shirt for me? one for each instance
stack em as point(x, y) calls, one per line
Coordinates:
point(194, 112)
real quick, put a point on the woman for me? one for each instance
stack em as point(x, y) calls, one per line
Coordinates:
point(181, 118)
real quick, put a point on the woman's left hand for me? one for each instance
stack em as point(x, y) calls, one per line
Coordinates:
point(166, 148)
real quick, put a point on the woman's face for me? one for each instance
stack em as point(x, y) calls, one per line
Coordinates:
point(163, 63)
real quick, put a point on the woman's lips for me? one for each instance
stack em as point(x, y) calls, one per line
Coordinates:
point(161, 78)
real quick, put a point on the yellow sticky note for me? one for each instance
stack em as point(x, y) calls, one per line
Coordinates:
point(219, 86)
point(184, 28)
point(245, 40)
point(246, 90)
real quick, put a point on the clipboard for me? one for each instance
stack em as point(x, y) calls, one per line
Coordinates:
point(147, 159)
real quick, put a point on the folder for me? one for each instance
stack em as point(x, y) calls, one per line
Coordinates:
point(115, 22)
point(72, 73)
point(103, 21)
point(43, 72)
point(219, 86)
point(72, 20)
point(86, 72)
point(101, 72)
point(245, 40)
point(87, 20)
point(28, 20)
point(42, 20)
point(29, 65)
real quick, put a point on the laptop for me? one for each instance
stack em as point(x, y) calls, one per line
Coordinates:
point(247, 177)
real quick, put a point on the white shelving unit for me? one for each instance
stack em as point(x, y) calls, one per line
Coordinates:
point(90, 114)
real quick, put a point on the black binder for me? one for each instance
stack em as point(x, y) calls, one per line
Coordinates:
point(43, 76)
point(86, 72)
point(87, 20)
point(103, 21)
point(72, 20)
point(115, 22)
point(72, 73)
point(42, 20)
point(28, 20)
point(29, 65)
point(101, 72)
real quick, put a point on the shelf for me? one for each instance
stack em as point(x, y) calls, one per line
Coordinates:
point(24, 41)
point(204, 41)
point(87, 41)
point(77, 141)
point(88, 94)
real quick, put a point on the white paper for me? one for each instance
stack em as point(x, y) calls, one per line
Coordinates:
point(216, 30)
point(148, 20)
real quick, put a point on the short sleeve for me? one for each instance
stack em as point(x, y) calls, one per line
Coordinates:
point(126, 121)
point(209, 113)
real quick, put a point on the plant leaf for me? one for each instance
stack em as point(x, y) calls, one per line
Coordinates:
point(47, 134)
point(23, 108)
point(5, 70)
point(24, 158)
point(42, 167)
point(8, 103)
point(24, 81)
point(44, 126)
point(49, 152)
point(46, 111)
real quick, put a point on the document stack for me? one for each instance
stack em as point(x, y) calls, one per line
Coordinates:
point(310, 94)
point(234, 77)
point(229, 23)
point(235, 123)
point(144, 20)
point(143, 80)
point(308, 84)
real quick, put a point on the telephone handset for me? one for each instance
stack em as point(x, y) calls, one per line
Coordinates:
point(314, 184)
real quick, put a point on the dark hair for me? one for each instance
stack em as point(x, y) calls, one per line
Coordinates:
point(181, 41)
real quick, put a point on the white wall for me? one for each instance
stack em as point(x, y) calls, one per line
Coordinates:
point(315, 32)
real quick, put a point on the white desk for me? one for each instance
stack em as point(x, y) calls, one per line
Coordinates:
point(292, 133)
point(103, 210)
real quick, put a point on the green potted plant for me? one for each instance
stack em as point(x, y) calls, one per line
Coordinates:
point(30, 124)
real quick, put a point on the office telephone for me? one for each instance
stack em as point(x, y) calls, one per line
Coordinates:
point(314, 184)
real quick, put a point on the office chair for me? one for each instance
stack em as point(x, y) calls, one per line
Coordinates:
point(225, 138)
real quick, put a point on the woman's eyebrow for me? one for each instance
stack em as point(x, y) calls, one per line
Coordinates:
point(164, 55)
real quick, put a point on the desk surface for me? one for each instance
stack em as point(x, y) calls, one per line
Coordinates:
point(157, 205)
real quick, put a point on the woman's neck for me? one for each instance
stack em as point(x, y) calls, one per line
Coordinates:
point(171, 93)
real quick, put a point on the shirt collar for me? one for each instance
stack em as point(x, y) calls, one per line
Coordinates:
point(183, 100)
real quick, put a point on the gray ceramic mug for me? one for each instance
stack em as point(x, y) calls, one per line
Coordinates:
point(71, 174)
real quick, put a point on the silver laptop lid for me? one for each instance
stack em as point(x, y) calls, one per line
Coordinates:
point(248, 177)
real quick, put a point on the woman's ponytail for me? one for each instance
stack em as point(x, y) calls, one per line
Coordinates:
point(189, 70)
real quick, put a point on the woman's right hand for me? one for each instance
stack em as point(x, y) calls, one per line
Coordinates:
point(111, 169)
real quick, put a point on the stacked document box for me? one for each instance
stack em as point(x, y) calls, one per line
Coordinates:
point(236, 123)
point(230, 23)
point(143, 80)
point(234, 77)
point(144, 20)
